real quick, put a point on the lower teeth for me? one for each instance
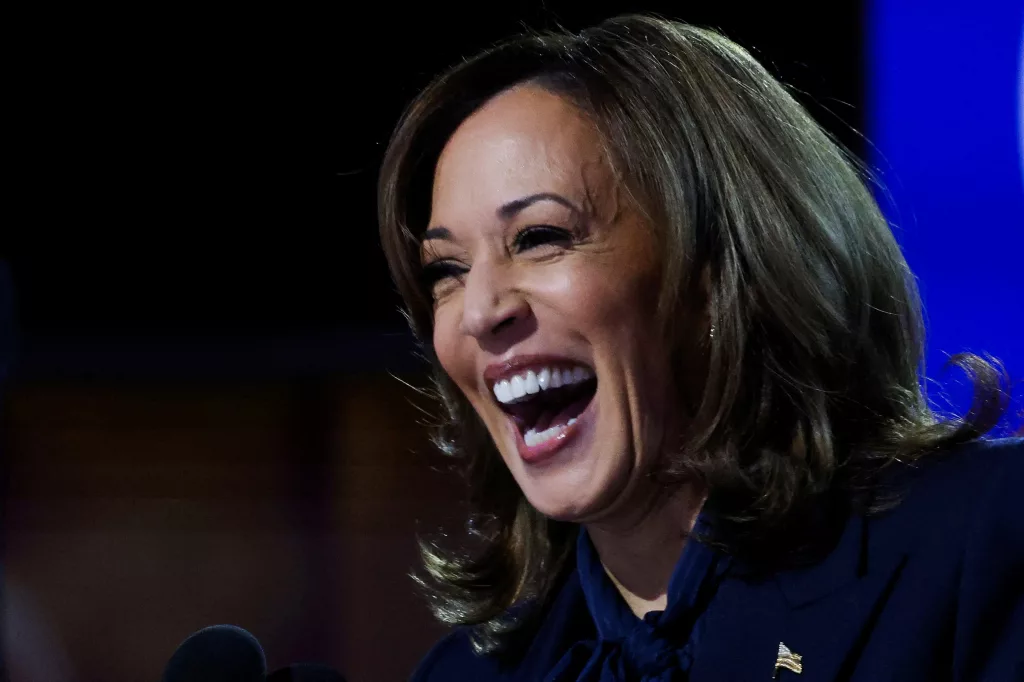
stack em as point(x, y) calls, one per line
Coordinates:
point(532, 438)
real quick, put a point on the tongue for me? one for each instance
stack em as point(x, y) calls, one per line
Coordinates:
point(563, 413)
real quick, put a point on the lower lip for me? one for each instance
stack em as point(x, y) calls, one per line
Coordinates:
point(540, 453)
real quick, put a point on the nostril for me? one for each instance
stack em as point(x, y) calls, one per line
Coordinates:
point(503, 325)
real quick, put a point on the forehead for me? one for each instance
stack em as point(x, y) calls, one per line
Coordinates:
point(523, 141)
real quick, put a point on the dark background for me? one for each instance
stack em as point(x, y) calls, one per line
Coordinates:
point(203, 425)
point(203, 174)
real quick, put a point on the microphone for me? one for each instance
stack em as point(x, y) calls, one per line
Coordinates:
point(219, 653)
point(305, 672)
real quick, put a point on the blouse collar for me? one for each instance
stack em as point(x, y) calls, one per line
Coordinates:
point(612, 616)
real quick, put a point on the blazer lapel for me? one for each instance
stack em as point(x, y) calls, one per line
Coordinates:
point(740, 633)
point(835, 604)
point(822, 613)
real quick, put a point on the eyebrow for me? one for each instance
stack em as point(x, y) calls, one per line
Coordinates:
point(508, 211)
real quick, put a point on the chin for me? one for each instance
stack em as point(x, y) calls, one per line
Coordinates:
point(562, 508)
point(574, 492)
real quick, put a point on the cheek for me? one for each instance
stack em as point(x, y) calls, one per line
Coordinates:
point(585, 294)
point(605, 303)
point(447, 345)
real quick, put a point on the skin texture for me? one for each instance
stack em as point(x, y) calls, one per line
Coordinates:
point(575, 282)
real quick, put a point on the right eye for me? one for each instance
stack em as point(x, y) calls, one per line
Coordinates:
point(440, 272)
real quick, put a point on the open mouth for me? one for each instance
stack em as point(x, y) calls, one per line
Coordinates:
point(546, 401)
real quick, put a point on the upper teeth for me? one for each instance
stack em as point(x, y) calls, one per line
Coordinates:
point(512, 389)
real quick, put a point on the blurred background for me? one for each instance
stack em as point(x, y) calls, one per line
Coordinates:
point(207, 420)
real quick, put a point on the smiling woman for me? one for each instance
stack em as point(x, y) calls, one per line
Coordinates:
point(546, 272)
point(678, 351)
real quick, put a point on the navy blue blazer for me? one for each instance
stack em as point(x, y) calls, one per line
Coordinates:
point(931, 590)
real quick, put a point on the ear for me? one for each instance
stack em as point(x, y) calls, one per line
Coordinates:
point(690, 341)
point(698, 310)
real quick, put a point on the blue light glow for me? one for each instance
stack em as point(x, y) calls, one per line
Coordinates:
point(946, 115)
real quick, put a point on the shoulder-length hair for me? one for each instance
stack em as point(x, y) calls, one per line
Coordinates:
point(812, 381)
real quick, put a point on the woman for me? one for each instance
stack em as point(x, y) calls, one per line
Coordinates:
point(678, 349)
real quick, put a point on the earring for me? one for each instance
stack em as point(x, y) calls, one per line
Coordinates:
point(711, 332)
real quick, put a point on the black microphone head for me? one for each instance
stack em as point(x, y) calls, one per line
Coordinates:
point(219, 653)
point(305, 672)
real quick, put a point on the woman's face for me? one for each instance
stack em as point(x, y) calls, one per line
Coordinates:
point(545, 283)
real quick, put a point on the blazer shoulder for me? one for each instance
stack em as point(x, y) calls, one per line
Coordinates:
point(535, 647)
point(944, 494)
point(977, 463)
point(453, 659)
point(961, 517)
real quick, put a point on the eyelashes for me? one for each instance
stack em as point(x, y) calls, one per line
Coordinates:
point(434, 274)
point(539, 235)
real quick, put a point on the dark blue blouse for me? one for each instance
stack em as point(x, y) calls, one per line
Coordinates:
point(661, 645)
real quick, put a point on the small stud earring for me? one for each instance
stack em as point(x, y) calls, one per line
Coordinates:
point(711, 332)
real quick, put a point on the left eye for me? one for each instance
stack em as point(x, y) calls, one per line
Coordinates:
point(532, 237)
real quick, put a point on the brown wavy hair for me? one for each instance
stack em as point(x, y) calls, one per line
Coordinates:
point(812, 384)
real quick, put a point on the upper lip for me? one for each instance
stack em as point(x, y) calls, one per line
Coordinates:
point(521, 363)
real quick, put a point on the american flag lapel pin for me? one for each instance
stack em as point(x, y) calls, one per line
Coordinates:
point(788, 660)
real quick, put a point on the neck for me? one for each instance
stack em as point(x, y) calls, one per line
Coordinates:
point(640, 552)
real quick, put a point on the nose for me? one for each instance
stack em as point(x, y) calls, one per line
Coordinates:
point(491, 301)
